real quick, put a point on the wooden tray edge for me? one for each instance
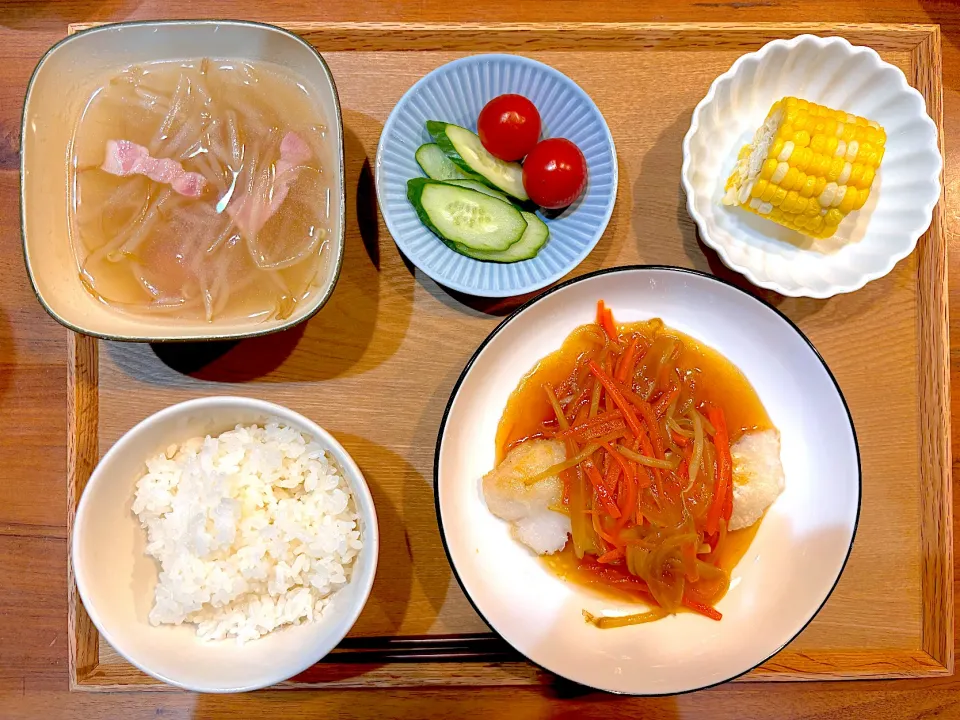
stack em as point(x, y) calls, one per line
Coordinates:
point(83, 639)
point(785, 667)
point(588, 35)
point(936, 657)
point(936, 529)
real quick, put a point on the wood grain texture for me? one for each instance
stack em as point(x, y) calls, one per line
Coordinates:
point(383, 314)
point(82, 455)
point(33, 668)
point(936, 497)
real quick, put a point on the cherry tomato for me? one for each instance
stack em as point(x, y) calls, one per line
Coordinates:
point(554, 173)
point(509, 126)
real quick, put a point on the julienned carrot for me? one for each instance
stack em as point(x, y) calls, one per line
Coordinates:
point(665, 399)
point(601, 311)
point(722, 443)
point(679, 439)
point(620, 459)
point(575, 403)
point(625, 368)
point(701, 608)
point(653, 428)
point(611, 387)
point(643, 477)
point(628, 503)
point(728, 503)
point(609, 326)
point(611, 478)
point(647, 413)
point(601, 489)
point(592, 422)
point(630, 483)
point(610, 556)
point(613, 576)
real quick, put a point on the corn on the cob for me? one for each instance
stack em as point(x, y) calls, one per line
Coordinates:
point(808, 167)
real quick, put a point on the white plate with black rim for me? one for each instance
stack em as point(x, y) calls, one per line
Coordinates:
point(795, 559)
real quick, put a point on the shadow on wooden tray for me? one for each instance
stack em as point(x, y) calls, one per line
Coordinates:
point(349, 335)
point(650, 222)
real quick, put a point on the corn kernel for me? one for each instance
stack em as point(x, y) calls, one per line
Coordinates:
point(836, 167)
point(780, 173)
point(775, 147)
point(856, 174)
point(801, 138)
point(808, 185)
point(849, 200)
point(833, 217)
point(790, 179)
point(768, 192)
point(862, 196)
point(868, 175)
point(789, 203)
point(758, 187)
point(845, 174)
point(819, 186)
point(769, 166)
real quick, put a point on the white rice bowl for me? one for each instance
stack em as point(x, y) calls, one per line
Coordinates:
point(252, 530)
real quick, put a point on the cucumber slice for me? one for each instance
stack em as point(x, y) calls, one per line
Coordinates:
point(463, 216)
point(479, 187)
point(534, 238)
point(466, 150)
point(437, 165)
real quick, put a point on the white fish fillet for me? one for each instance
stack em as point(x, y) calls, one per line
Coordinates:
point(527, 506)
point(757, 476)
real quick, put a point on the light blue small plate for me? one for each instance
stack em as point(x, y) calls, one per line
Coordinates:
point(456, 93)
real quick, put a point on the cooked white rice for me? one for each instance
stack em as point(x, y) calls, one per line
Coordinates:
point(253, 530)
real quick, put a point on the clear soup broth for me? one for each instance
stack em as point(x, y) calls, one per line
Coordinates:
point(201, 190)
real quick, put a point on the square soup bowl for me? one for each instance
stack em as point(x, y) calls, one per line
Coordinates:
point(60, 87)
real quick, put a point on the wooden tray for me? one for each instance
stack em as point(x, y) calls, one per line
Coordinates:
point(377, 365)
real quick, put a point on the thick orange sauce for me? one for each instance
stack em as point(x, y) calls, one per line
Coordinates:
point(721, 383)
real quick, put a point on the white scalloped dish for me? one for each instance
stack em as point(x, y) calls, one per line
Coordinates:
point(868, 243)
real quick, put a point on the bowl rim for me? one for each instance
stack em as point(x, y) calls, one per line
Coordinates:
point(607, 271)
point(353, 474)
point(748, 272)
point(203, 337)
point(566, 267)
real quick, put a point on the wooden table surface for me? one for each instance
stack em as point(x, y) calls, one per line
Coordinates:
point(33, 639)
